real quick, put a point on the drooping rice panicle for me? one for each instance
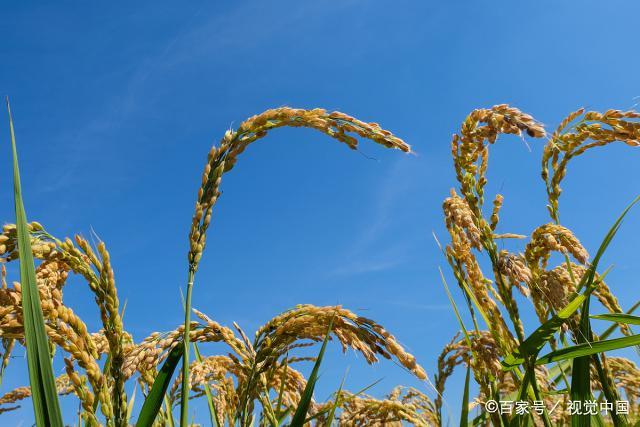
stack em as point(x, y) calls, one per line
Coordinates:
point(222, 158)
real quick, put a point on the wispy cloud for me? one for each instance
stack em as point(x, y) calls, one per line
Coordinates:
point(373, 250)
point(364, 266)
point(419, 306)
point(197, 39)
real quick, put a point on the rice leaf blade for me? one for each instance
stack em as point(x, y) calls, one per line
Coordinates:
point(609, 391)
point(153, 402)
point(588, 349)
point(43, 386)
point(581, 370)
point(300, 416)
point(168, 411)
point(455, 309)
point(336, 402)
point(464, 411)
point(618, 318)
point(541, 336)
point(534, 343)
point(130, 405)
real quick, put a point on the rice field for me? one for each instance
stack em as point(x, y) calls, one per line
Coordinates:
point(555, 372)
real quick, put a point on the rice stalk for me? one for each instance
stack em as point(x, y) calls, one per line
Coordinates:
point(554, 292)
point(223, 157)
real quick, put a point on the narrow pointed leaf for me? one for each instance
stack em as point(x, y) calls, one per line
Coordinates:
point(581, 370)
point(464, 412)
point(619, 318)
point(543, 334)
point(455, 309)
point(43, 387)
point(282, 384)
point(606, 334)
point(168, 411)
point(611, 329)
point(300, 416)
point(564, 366)
point(534, 343)
point(609, 391)
point(587, 349)
point(130, 405)
point(153, 402)
point(336, 402)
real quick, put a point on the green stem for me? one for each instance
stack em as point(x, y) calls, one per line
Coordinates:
point(184, 395)
point(169, 411)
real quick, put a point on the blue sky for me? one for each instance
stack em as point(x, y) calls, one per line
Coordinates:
point(117, 104)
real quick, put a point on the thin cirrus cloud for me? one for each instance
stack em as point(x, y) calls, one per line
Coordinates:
point(377, 248)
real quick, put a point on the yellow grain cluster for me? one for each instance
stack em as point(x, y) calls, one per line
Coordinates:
point(262, 373)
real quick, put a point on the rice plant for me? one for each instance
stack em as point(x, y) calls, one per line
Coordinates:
point(99, 364)
point(257, 379)
point(506, 363)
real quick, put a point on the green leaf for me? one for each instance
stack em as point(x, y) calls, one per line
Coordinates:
point(130, 405)
point(581, 370)
point(336, 402)
point(43, 386)
point(613, 327)
point(168, 412)
point(534, 343)
point(480, 419)
point(153, 402)
point(587, 349)
point(283, 376)
point(283, 416)
point(564, 366)
point(610, 393)
point(619, 318)
point(607, 240)
point(300, 416)
point(455, 309)
point(6, 356)
point(464, 411)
